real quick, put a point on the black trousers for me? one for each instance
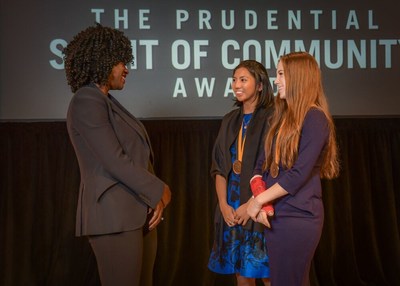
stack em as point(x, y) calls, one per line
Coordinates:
point(125, 258)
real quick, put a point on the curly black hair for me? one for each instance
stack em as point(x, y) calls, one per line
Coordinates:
point(92, 53)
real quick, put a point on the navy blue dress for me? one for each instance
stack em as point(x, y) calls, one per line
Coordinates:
point(297, 226)
point(239, 250)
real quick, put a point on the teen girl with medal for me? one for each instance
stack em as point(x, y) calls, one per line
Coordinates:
point(239, 247)
point(300, 148)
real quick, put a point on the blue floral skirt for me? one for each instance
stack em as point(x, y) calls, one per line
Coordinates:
point(240, 251)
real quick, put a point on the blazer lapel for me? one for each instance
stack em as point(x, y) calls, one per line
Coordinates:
point(131, 121)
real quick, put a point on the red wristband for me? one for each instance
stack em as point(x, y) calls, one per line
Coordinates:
point(257, 185)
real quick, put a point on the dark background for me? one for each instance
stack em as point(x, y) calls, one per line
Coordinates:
point(39, 180)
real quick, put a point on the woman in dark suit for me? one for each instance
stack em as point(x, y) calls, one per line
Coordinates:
point(121, 201)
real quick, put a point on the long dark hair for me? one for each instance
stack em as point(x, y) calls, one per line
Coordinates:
point(258, 71)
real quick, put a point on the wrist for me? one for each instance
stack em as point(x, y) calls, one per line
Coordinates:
point(223, 205)
point(258, 202)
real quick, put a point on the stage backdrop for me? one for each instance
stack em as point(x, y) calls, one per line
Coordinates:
point(185, 52)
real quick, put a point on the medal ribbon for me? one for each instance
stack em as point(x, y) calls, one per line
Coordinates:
point(240, 144)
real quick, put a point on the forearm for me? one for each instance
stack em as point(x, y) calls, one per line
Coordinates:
point(220, 187)
point(271, 194)
point(166, 196)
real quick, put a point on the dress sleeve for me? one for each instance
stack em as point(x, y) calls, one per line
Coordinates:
point(313, 138)
point(258, 170)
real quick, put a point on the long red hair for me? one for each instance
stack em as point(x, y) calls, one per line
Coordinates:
point(303, 91)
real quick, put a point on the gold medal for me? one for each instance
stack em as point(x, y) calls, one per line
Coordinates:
point(237, 167)
point(274, 170)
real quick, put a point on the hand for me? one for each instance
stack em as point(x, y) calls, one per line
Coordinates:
point(157, 216)
point(241, 214)
point(269, 209)
point(253, 208)
point(262, 217)
point(229, 214)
